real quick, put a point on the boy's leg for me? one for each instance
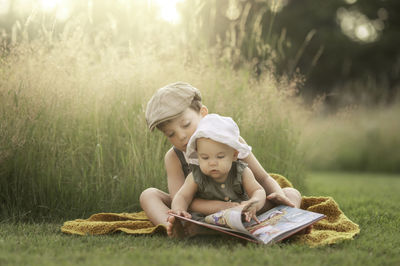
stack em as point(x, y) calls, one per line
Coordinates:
point(155, 204)
point(294, 195)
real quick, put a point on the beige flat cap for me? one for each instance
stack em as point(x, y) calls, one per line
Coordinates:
point(169, 102)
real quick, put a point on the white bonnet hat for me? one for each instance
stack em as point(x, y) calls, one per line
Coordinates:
point(220, 129)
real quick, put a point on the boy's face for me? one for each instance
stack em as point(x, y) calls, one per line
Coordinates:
point(215, 158)
point(180, 129)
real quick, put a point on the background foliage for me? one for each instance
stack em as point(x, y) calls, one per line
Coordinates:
point(342, 47)
point(73, 139)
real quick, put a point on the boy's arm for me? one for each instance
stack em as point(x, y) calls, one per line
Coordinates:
point(175, 176)
point(176, 179)
point(272, 189)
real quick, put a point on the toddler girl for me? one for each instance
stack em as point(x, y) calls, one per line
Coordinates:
point(217, 174)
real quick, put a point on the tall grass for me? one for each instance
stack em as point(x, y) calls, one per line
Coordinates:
point(73, 138)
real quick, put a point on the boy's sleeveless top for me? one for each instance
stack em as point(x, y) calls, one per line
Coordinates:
point(185, 166)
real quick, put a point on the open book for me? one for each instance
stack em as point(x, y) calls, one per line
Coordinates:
point(275, 225)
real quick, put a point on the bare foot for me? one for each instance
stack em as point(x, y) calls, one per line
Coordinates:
point(175, 228)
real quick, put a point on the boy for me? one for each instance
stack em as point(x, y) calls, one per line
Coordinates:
point(176, 110)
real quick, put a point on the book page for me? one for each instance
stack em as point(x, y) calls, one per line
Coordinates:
point(280, 222)
point(275, 224)
point(229, 218)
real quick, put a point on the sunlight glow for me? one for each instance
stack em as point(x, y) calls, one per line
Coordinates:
point(357, 26)
point(168, 10)
point(62, 9)
point(59, 7)
point(49, 5)
point(362, 32)
point(63, 13)
point(23, 7)
point(4, 7)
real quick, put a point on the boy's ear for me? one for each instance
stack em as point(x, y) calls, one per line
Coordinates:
point(235, 155)
point(203, 111)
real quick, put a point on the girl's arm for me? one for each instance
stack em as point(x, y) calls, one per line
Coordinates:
point(184, 196)
point(207, 207)
point(253, 189)
point(176, 178)
point(271, 187)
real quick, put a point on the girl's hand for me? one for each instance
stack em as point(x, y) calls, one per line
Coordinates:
point(249, 212)
point(280, 198)
point(180, 213)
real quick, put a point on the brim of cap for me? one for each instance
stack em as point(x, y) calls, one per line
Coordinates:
point(155, 124)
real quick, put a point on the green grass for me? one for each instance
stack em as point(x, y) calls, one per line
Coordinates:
point(371, 200)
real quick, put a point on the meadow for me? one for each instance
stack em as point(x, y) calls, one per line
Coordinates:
point(367, 199)
point(74, 139)
point(359, 137)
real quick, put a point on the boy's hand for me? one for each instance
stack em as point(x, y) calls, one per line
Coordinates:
point(280, 198)
point(180, 213)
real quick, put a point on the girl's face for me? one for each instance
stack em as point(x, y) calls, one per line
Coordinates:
point(215, 158)
point(180, 129)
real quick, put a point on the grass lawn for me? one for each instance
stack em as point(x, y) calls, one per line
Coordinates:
point(371, 200)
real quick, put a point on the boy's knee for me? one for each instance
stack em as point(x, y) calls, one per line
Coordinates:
point(291, 192)
point(148, 193)
point(294, 195)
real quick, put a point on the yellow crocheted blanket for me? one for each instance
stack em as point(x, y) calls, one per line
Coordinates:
point(334, 228)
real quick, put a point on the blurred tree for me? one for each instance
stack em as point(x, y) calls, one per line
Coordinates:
point(361, 42)
point(333, 43)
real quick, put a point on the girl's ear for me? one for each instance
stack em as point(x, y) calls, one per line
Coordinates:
point(235, 155)
point(203, 111)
